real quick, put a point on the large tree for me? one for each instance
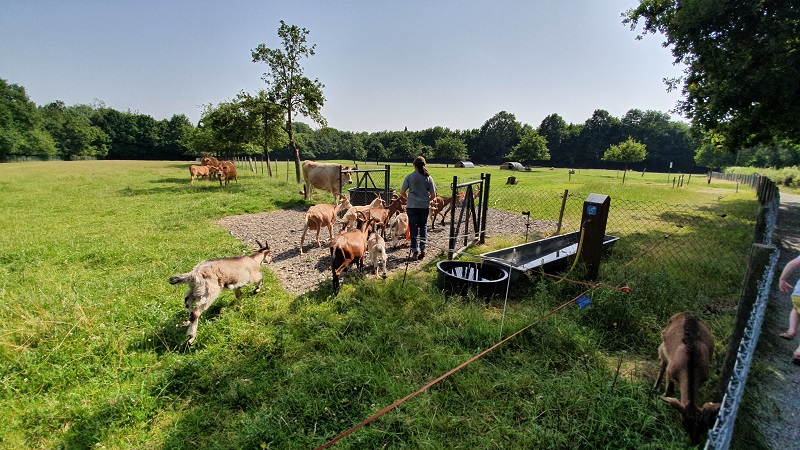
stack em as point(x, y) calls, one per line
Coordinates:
point(21, 129)
point(288, 86)
point(450, 148)
point(531, 147)
point(742, 57)
point(497, 137)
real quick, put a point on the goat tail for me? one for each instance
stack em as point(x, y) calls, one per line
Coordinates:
point(181, 278)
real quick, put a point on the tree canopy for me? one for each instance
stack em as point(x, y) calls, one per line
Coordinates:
point(742, 76)
point(288, 87)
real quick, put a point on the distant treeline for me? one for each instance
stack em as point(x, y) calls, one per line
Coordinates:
point(58, 131)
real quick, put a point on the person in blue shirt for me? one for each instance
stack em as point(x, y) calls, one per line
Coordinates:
point(420, 189)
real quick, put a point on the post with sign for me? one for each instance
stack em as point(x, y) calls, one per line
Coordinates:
point(593, 231)
point(669, 174)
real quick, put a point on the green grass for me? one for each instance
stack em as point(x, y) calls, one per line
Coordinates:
point(90, 355)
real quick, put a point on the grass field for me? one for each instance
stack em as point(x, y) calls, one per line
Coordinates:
point(90, 355)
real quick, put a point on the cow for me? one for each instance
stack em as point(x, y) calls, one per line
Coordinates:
point(198, 171)
point(209, 161)
point(227, 172)
point(324, 176)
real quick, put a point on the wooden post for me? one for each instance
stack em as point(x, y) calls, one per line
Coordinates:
point(756, 267)
point(561, 214)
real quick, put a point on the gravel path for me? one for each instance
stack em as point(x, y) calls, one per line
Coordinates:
point(778, 411)
point(300, 273)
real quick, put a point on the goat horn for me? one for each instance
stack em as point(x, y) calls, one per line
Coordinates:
point(259, 244)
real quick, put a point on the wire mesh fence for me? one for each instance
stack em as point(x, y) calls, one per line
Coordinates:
point(682, 237)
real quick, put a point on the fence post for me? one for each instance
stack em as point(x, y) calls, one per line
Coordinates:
point(561, 214)
point(451, 245)
point(757, 265)
point(484, 205)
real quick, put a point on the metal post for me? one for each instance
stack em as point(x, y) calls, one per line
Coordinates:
point(451, 246)
point(484, 205)
point(561, 214)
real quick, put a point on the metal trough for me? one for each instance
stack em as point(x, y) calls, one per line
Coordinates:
point(459, 277)
point(549, 255)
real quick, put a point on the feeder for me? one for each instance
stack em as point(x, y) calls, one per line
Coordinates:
point(557, 252)
point(459, 277)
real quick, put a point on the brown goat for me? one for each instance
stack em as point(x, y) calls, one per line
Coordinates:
point(320, 216)
point(209, 161)
point(208, 278)
point(349, 247)
point(685, 355)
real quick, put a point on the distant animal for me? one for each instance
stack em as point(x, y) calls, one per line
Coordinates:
point(198, 171)
point(227, 172)
point(324, 176)
point(377, 250)
point(209, 277)
point(320, 216)
point(209, 161)
point(349, 247)
point(685, 354)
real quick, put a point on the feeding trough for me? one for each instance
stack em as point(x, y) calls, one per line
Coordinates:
point(549, 255)
point(459, 277)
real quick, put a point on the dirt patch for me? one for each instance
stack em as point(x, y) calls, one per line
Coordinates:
point(300, 273)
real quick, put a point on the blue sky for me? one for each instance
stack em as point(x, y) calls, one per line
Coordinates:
point(386, 65)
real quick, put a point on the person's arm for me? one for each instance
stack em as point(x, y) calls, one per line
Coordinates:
point(783, 284)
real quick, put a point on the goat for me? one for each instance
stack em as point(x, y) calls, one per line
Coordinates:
point(209, 161)
point(436, 206)
point(323, 215)
point(398, 227)
point(685, 355)
point(350, 217)
point(349, 247)
point(209, 277)
point(377, 249)
point(381, 214)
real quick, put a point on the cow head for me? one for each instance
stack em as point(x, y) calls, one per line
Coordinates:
point(347, 175)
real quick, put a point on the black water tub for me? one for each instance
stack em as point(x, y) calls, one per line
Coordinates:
point(459, 277)
point(549, 255)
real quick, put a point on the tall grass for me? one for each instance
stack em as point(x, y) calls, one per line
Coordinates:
point(90, 355)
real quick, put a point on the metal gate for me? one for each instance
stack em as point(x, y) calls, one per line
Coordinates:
point(471, 199)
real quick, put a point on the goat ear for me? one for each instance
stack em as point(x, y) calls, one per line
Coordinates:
point(674, 402)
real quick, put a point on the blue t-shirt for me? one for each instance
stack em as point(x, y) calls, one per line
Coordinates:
point(418, 186)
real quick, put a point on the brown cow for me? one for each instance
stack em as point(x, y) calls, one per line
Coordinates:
point(324, 176)
point(209, 161)
point(227, 172)
point(198, 171)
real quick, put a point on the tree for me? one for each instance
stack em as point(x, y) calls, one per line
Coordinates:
point(599, 131)
point(554, 129)
point(628, 151)
point(498, 136)
point(74, 134)
point(450, 148)
point(21, 129)
point(288, 87)
point(269, 132)
point(530, 147)
point(742, 65)
point(375, 149)
point(713, 157)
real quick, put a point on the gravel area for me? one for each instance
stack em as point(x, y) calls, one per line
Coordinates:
point(300, 273)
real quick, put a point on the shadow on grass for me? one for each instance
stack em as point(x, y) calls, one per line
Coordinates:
point(171, 335)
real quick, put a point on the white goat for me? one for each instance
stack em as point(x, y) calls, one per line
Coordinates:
point(398, 228)
point(209, 277)
point(685, 355)
point(377, 250)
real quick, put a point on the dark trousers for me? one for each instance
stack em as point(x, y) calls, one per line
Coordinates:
point(418, 223)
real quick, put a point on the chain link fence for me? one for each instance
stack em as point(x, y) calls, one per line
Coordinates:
point(677, 237)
